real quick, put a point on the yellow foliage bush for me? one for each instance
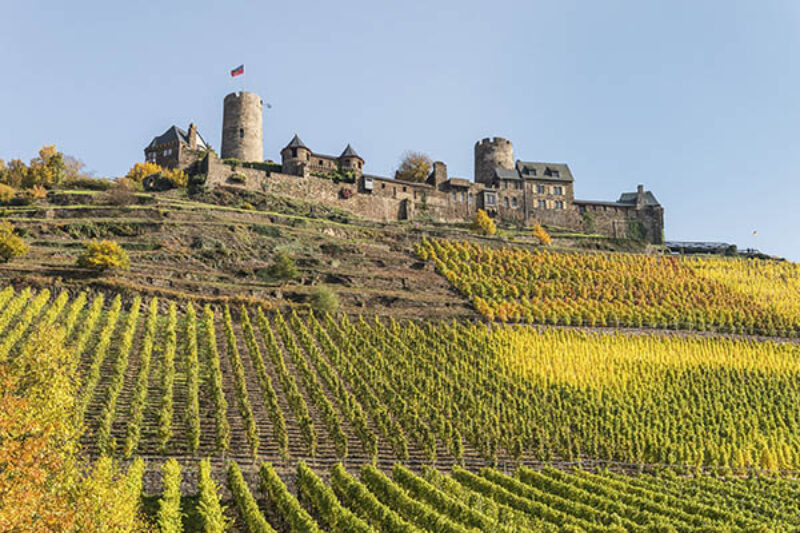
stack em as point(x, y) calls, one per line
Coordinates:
point(140, 171)
point(11, 244)
point(6, 193)
point(483, 223)
point(102, 255)
point(540, 233)
point(43, 483)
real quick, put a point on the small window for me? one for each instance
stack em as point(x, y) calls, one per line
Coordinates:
point(469, 198)
point(514, 202)
point(404, 189)
point(241, 133)
point(541, 189)
point(294, 152)
point(454, 196)
point(490, 199)
point(559, 204)
point(463, 196)
point(558, 190)
point(530, 171)
point(308, 157)
point(383, 185)
point(505, 185)
point(518, 185)
point(542, 204)
point(551, 172)
point(321, 162)
point(505, 201)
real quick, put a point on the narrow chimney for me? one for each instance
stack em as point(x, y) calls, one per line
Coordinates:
point(192, 136)
point(640, 196)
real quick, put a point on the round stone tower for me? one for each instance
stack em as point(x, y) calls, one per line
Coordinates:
point(242, 136)
point(491, 153)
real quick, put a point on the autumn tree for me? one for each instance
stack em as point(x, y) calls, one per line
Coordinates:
point(11, 244)
point(415, 166)
point(6, 193)
point(44, 487)
point(38, 436)
point(140, 171)
point(483, 223)
point(48, 169)
point(541, 234)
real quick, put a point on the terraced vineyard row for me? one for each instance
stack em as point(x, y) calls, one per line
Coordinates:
point(273, 387)
point(251, 498)
point(516, 285)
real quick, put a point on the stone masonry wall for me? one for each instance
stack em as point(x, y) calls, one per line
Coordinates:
point(396, 201)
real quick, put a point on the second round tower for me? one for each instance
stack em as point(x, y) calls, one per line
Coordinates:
point(496, 152)
point(242, 127)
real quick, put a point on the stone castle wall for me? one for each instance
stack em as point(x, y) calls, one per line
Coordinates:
point(389, 203)
point(392, 200)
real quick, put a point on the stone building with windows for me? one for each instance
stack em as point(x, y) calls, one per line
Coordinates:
point(299, 160)
point(511, 190)
point(176, 148)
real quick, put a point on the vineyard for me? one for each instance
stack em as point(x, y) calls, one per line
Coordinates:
point(304, 416)
point(247, 383)
point(746, 296)
point(369, 500)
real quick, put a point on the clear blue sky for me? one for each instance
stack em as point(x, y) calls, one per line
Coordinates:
point(699, 100)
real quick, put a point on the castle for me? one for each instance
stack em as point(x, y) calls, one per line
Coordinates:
point(522, 192)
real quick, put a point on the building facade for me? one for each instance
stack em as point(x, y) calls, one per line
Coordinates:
point(509, 189)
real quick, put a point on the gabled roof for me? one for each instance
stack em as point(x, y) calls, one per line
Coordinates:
point(349, 152)
point(296, 143)
point(175, 134)
point(544, 171)
point(630, 198)
point(506, 173)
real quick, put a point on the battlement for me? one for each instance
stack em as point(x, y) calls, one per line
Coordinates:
point(493, 141)
point(237, 95)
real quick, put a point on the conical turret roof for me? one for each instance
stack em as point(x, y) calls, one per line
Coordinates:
point(349, 152)
point(296, 143)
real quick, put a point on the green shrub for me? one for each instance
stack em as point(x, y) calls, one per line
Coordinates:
point(283, 268)
point(102, 255)
point(324, 300)
point(11, 245)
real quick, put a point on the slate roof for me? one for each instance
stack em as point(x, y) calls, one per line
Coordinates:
point(544, 171)
point(296, 143)
point(506, 173)
point(349, 152)
point(175, 134)
point(629, 198)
